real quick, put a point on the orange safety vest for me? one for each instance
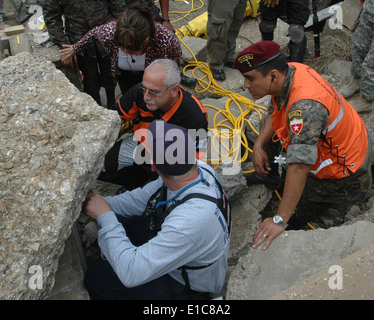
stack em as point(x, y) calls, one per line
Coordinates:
point(343, 142)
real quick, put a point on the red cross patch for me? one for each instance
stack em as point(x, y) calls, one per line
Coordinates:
point(296, 125)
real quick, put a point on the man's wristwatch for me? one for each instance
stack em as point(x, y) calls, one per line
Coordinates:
point(163, 19)
point(277, 219)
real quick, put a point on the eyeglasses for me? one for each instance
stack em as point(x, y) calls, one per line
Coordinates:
point(152, 92)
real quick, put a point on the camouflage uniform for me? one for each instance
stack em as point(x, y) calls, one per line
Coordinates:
point(155, 11)
point(363, 51)
point(2, 11)
point(319, 194)
point(296, 14)
point(80, 17)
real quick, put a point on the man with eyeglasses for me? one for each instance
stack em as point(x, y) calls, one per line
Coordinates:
point(158, 96)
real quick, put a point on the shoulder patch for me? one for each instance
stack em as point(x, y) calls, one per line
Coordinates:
point(295, 113)
point(296, 125)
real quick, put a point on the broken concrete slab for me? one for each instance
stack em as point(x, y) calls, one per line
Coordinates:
point(193, 48)
point(245, 215)
point(340, 68)
point(19, 43)
point(52, 146)
point(350, 279)
point(294, 256)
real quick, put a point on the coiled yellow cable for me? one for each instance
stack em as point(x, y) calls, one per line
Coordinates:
point(231, 124)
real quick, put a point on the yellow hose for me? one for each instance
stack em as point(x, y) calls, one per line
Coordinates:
point(206, 83)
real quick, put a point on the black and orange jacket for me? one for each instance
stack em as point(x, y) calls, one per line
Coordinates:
point(188, 112)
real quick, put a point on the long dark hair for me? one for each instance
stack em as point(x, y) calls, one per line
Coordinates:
point(134, 26)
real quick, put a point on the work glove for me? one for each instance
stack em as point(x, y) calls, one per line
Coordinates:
point(270, 3)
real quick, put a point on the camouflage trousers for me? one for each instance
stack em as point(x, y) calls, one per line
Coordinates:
point(224, 21)
point(363, 54)
point(340, 194)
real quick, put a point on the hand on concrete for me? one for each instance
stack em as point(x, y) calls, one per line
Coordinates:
point(267, 231)
point(96, 206)
point(68, 56)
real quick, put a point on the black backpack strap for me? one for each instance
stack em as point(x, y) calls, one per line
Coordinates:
point(176, 203)
point(222, 203)
point(189, 291)
point(219, 203)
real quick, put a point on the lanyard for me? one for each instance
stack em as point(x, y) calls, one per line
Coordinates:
point(202, 179)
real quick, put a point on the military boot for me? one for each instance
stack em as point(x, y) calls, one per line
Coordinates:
point(187, 81)
point(351, 88)
point(362, 105)
point(297, 50)
point(267, 36)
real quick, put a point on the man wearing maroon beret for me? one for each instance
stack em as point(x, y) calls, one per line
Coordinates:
point(321, 139)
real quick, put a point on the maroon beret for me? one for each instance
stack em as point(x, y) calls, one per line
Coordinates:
point(256, 55)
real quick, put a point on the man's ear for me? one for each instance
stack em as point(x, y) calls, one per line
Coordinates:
point(175, 90)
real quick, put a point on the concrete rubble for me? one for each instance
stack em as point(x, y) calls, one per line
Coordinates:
point(294, 257)
point(52, 143)
point(56, 138)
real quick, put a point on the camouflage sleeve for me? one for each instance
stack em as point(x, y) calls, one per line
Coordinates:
point(117, 7)
point(306, 120)
point(53, 20)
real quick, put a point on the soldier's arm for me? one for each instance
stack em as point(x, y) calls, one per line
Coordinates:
point(293, 188)
point(311, 118)
point(116, 7)
point(301, 154)
point(164, 4)
point(260, 159)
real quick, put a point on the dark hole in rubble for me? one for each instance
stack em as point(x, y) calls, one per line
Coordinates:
point(332, 218)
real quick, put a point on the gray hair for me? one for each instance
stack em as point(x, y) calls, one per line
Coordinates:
point(171, 71)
